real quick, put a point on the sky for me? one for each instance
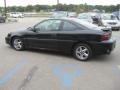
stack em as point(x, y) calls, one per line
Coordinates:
point(53, 2)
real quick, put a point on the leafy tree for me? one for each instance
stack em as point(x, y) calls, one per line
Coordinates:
point(62, 7)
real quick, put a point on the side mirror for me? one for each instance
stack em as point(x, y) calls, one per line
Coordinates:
point(31, 29)
point(36, 29)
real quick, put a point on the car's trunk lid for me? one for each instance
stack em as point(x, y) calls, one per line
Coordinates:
point(107, 33)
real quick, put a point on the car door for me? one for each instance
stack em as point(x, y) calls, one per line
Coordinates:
point(46, 34)
point(67, 36)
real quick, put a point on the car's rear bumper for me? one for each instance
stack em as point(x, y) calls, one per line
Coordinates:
point(104, 47)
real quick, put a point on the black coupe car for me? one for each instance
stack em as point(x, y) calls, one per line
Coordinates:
point(72, 35)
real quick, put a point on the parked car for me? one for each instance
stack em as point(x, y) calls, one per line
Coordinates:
point(90, 17)
point(110, 20)
point(70, 35)
point(2, 19)
point(59, 14)
point(63, 14)
point(16, 15)
point(72, 14)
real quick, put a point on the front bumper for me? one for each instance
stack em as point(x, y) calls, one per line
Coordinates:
point(115, 28)
point(104, 47)
point(7, 40)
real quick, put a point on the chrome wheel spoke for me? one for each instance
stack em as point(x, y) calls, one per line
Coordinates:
point(84, 49)
point(82, 56)
point(85, 54)
point(78, 52)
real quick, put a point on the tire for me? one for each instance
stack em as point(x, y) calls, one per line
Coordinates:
point(82, 52)
point(17, 44)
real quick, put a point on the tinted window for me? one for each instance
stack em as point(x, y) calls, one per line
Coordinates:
point(86, 24)
point(48, 25)
point(68, 26)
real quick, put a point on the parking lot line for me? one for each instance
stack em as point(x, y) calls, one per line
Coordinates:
point(11, 73)
point(28, 78)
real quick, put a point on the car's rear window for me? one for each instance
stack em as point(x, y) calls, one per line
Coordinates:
point(86, 24)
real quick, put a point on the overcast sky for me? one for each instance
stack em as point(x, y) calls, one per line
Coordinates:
point(52, 2)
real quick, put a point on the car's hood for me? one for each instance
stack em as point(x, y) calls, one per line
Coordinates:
point(19, 32)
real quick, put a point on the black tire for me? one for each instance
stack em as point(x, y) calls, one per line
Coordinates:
point(86, 54)
point(14, 40)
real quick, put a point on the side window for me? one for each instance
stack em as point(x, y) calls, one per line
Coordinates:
point(67, 26)
point(55, 25)
point(48, 25)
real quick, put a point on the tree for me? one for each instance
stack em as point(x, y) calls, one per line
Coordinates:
point(62, 7)
point(29, 8)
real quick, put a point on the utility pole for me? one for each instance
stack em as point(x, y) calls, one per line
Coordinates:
point(57, 2)
point(5, 9)
point(119, 12)
point(57, 5)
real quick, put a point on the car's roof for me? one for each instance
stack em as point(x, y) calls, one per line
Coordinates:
point(76, 20)
point(64, 18)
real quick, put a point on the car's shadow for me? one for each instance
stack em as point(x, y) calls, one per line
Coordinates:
point(96, 58)
point(103, 58)
point(51, 52)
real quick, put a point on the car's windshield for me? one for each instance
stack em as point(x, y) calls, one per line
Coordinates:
point(109, 17)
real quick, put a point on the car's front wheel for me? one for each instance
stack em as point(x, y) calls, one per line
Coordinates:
point(17, 44)
point(82, 52)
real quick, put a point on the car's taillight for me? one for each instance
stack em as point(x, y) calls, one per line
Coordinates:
point(105, 36)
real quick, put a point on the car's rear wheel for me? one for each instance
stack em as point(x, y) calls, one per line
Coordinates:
point(17, 44)
point(82, 52)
